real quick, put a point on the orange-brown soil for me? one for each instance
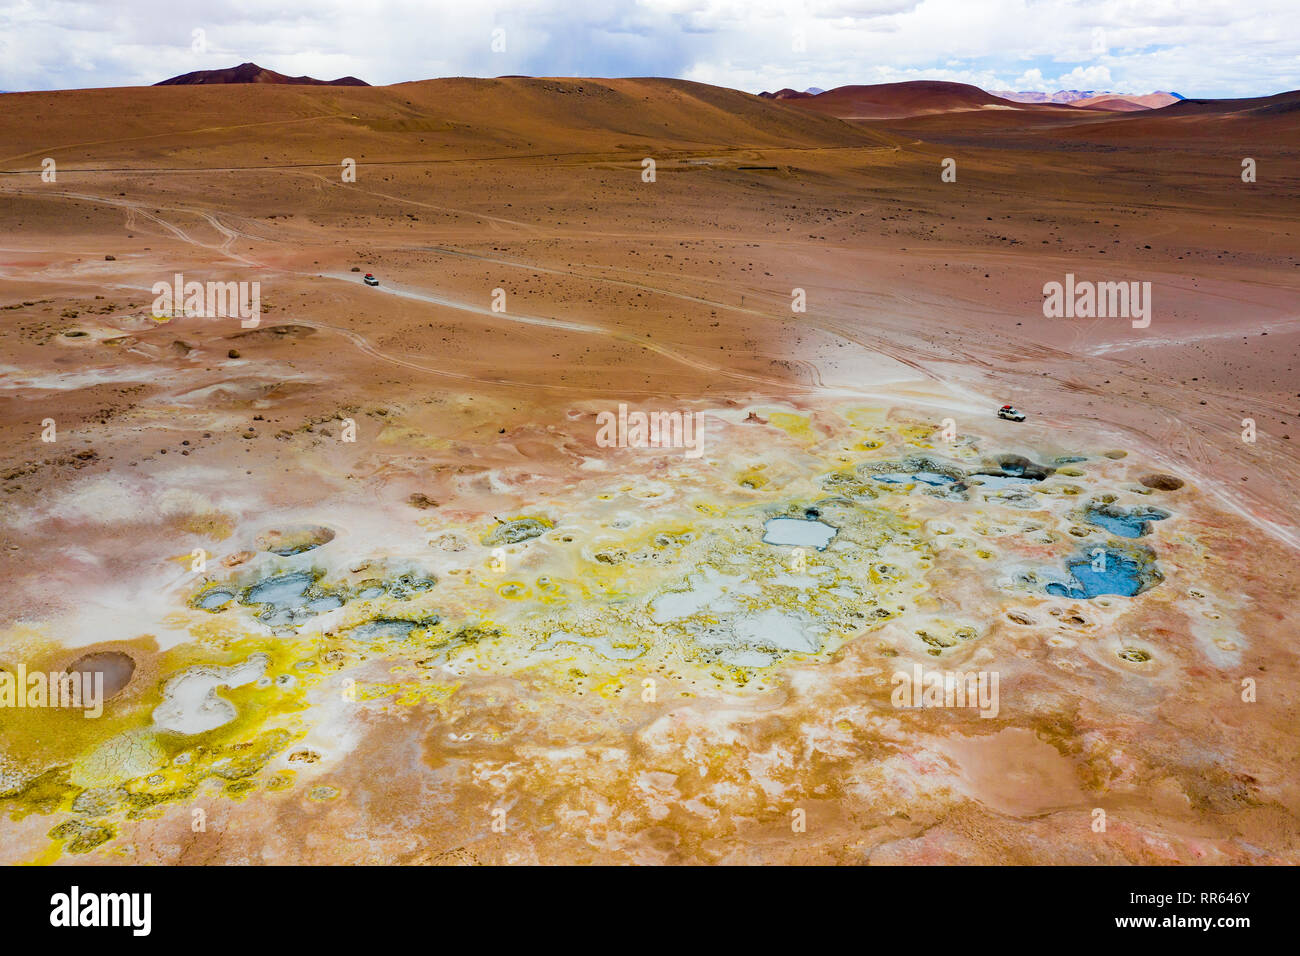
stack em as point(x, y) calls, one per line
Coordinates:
point(513, 721)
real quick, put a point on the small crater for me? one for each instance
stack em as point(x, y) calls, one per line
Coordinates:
point(408, 585)
point(214, 599)
point(294, 541)
point(449, 542)
point(517, 530)
point(80, 837)
point(1161, 482)
point(115, 667)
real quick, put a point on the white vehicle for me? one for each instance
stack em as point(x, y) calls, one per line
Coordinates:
point(370, 280)
point(1011, 413)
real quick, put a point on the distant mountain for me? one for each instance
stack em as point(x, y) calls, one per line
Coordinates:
point(252, 73)
point(1126, 102)
point(895, 100)
point(1091, 98)
point(786, 94)
point(919, 97)
point(1032, 96)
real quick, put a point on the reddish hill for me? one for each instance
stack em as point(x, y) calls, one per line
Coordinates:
point(606, 119)
point(1264, 119)
point(1127, 101)
point(895, 100)
point(1114, 104)
point(252, 73)
point(1251, 106)
point(1272, 121)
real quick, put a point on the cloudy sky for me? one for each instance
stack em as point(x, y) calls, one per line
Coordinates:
point(1193, 47)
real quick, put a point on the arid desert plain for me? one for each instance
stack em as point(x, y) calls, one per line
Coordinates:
point(391, 574)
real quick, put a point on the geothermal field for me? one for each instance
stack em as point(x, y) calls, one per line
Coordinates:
point(654, 506)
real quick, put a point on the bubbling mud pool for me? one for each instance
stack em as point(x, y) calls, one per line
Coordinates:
point(709, 577)
point(1107, 571)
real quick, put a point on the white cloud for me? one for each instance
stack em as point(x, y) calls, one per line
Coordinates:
point(1085, 78)
point(1197, 47)
point(1030, 80)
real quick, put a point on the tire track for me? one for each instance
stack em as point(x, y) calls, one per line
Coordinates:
point(568, 326)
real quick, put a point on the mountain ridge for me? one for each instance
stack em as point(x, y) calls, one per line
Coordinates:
point(252, 73)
